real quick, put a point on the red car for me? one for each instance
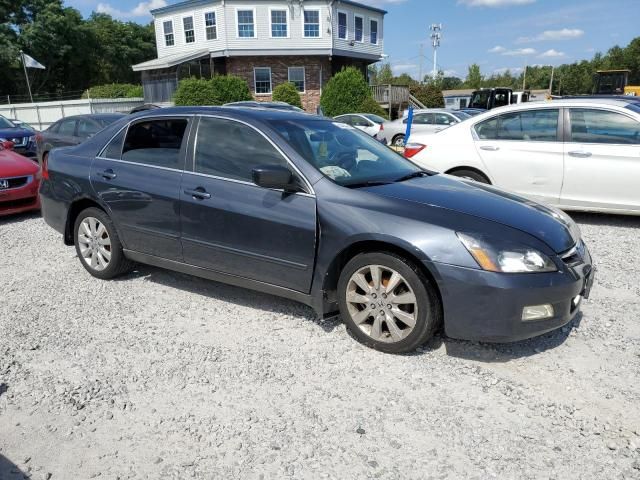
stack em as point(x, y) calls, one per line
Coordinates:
point(19, 182)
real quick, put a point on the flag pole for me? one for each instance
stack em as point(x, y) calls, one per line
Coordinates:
point(24, 65)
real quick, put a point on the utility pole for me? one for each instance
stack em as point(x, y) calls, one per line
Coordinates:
point(420, 77)
point(436, 36)
point(524, 77)
point(551, 81)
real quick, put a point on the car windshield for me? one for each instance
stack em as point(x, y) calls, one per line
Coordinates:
point(461, 115)
point(4, 123)
point(374, 118)
point(344, 154)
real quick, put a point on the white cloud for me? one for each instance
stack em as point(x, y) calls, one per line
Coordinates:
point(554, 35)
point(500, 71)
point(403, 68)
point(450, 73)
point(494, 3)
point(519, 52)
point(497, 49)
point(551, 54)
point(140, 10)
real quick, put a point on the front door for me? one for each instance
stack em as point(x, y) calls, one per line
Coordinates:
point(233, 226)
point(523, 152)
point(137, 177)
point(602, 160)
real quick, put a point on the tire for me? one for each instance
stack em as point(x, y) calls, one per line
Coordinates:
point(471, 175)
point(398, 141)
point(383, 321)
point(98, 246)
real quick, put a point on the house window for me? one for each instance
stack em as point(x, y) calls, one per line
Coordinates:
point(246, 27)
point(169, 41)
point(189, 34)
point(262, 79)
point(359, 28)
point(296, 76)
point(210, 25)
point(374, 32)
point(279, 24)
point(342, 25)
point(312, 23)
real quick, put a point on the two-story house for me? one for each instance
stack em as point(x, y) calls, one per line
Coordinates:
point(266, 42)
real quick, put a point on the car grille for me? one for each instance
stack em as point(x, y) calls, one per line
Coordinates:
point(23, 202)
point(15, 182)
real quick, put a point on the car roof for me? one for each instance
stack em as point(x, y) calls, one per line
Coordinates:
point(568, 102)
point(231, 111)
point(95, 116)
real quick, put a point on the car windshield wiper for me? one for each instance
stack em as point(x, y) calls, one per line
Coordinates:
point(368, 183)
point(412, 175)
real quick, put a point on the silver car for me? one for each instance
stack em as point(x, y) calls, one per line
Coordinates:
point(426, 121)
point(369, 123)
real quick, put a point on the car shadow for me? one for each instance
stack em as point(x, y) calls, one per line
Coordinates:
point(606, 220)
point(10, 470)
point(19, 217)
point(3, 388)
point(229, 293)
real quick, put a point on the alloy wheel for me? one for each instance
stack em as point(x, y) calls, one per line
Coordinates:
point(94, 244)
point(381, 303)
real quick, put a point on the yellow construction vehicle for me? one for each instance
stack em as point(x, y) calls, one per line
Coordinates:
point(614, 82)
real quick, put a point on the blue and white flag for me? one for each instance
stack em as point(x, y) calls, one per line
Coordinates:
point(30, 62)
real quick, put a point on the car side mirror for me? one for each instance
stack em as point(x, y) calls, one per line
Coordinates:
point(274, 176)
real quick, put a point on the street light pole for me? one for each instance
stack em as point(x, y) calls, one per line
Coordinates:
point(551, 81)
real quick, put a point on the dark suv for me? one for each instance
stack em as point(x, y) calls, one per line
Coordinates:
point(314, 210)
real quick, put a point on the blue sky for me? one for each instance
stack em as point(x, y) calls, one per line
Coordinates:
point(496, 34)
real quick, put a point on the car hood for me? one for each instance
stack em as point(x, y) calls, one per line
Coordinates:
point(484, 201)
point(18, 132)
point(14, 165)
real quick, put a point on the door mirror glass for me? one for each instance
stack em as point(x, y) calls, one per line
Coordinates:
point(273, 176)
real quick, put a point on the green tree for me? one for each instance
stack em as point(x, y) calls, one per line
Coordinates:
point(345, 92)
point(229, 88)
point(385, 75)
point(429, 94)
point(288, 93)
point(474, 77)
point(195, 92)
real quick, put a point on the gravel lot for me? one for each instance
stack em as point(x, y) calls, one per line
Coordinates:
point(161, 375)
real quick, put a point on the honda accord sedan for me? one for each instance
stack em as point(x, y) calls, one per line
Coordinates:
point(19, 182)
point(314, 210)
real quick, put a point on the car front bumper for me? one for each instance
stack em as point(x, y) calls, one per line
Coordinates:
point(21, 199)
point(488, 306)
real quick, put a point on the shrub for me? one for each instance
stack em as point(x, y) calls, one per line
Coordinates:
point(369, 105)
point(429, 95)
point(114, 90)
point(288, 93)
point(195, 91)
point(229, 88)
point(345, 93)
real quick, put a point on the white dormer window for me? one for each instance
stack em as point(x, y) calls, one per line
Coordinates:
point(246, 25)
point(167, 27)
point(374, 32)
point(358, 28)
point(279, 24)
point(342, 25)
point(210, 26)
point(189, 33)
point(312, 23)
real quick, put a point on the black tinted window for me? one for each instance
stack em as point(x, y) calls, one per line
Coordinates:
point(114, 149)
point(601, 126)
point(528, 126)
point(155, 142)
point(230, 149)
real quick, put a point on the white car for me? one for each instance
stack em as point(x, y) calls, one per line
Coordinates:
point(576, 154)
point(426, 121)
point(367, 122)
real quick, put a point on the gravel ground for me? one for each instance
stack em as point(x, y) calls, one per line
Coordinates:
point(161, 375)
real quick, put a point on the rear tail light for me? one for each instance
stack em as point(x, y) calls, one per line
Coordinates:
point(412, 149)
point(45, 167)
point(382, 127)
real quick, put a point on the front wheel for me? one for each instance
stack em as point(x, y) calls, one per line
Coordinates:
point(398, 141)
point(98, 246)
point(387, 302)
point(471, 175)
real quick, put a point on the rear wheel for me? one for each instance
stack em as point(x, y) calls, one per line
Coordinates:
point(387, 303)
point(98, 246)
point(471, 175)
point(398, 141)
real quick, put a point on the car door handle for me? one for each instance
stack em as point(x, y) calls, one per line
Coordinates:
point(199, 193)
point(108, 174)
point(580, 154)
point(490, 148)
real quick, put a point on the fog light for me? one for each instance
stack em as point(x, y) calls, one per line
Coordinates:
point(537, 312)
point(576, 301)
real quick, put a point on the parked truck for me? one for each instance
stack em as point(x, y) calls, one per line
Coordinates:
point(488, 98)
point(614, 82)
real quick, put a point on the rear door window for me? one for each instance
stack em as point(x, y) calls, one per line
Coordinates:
point(156, 142)
point(67, 128)
point(230, 149)
point(87, 128)
point(603, 126)
point(114, 149)
point(540, 125)
point(423, 119)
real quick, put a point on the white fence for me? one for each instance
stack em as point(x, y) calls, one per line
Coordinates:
point(43, 114)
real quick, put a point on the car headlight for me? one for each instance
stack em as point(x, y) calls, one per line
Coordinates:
point(509, 259)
